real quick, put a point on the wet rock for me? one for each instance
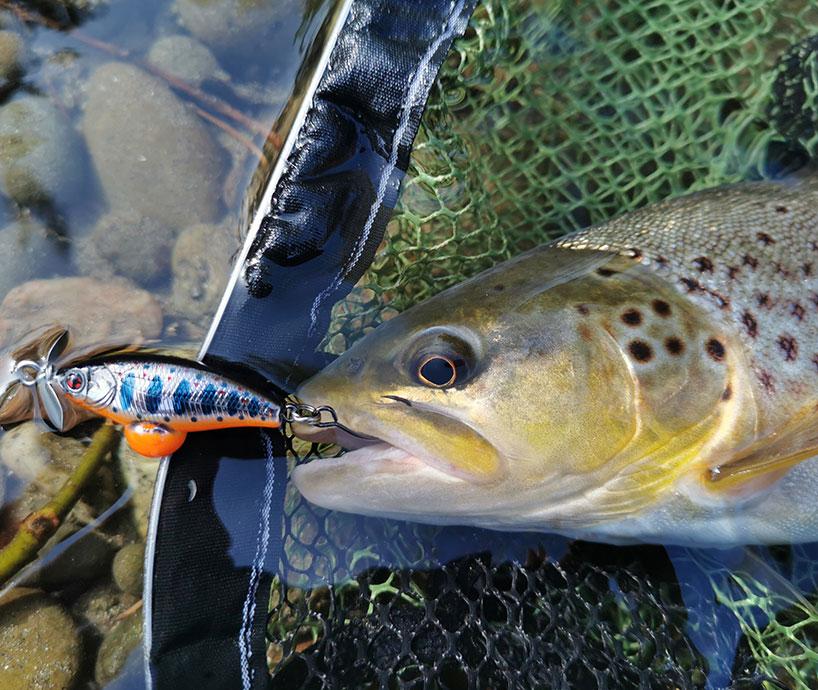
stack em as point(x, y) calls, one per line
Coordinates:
point(123, 638)
point(140, 474)
point(186, 59)
point(35, 455)
point(202, 261)
point(233, 26)
point(29, 248)
point(128, 244)
point(39, 643)
point(96, 312)
point(128, 568)
point(41, 159)
point(12, 50)
point(99, 607)
point(84, 560)
point(163, 163)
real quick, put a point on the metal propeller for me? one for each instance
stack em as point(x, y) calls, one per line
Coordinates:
point(38, 377)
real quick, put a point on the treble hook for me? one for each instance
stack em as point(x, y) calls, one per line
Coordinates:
point(301, 413)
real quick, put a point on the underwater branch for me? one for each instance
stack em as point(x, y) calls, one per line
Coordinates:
point(38, 527)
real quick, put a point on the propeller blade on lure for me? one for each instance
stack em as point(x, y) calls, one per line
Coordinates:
point(157, 400)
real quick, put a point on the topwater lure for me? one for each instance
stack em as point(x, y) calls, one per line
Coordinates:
point(157, 400)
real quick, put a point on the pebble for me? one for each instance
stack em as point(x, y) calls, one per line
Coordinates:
point(164, 163)
point(185, 58)
point(117, 645)
point(12, 50)
point(40, 646)
point(202, 261)
point(232, 26)
point(99, 607)
point(127, 244)
point(29, 249)
point(38, 456)
point(41, 158)
point(140, 474)
point(96, 312)
point(128, 568)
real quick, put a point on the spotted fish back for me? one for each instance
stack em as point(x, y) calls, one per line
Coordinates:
point(747, 253)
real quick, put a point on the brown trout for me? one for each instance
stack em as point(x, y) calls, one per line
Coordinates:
point(653, 378)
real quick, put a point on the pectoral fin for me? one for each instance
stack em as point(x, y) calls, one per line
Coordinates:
point(771, 455)
point(153, 440)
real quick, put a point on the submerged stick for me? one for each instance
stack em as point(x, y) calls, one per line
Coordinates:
point(38, 527)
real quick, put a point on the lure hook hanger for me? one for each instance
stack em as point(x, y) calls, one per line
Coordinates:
point(311, 415)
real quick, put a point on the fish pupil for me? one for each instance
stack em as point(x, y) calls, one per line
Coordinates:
point(438, 371)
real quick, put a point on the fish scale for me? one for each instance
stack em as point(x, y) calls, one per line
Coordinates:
point(749, 255)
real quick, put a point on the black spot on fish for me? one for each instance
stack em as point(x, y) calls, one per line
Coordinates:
point(640, 351)
point(674, 345)
point(715, 349)
point(207, 400)
point(750, 261)
point(194, 419)
point(632, 317)
point(167, 419)
point(661, 307)
point(765, 239)
point(153, 396)
point(605, 272)
point(181, 398)
point(750, 324)
point(767, 381)
point(583, 309)
point(727, 394)
point(781, 209)
point(797, 311)
point(789, 346)
point(219, 419)
point(499, 287)
point(704, 264)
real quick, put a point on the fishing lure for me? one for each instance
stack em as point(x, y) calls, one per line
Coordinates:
point(157, 400)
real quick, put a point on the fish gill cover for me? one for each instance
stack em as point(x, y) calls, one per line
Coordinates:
point(548, 117)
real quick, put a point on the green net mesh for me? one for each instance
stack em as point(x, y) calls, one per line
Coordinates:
point(547, 117)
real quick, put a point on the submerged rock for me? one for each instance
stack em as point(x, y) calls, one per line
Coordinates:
point(128, 569)
point(41, 159)
point(96, 312)
point(12, 51)
point(202, 261)
point(186, 59)
point(123, 638)
point(29, 249)
point(140, 474)
point(39, 643)
point(128, 244)
point(232, 25)
point(99, 607)
point(38, 456)
point(151, 153)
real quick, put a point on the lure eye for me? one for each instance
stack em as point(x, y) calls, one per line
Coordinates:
point(75, 381)
point(439, 371)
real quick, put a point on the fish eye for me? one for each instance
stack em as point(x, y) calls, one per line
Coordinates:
point(75, 380)
point(440, 371)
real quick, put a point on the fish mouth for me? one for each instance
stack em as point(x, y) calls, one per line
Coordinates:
point(399, 435)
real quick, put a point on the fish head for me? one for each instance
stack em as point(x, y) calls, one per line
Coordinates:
point(510, 398)
point(91, 387)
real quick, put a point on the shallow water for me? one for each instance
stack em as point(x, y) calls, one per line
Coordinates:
point(131, 133)
point(134, 136)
